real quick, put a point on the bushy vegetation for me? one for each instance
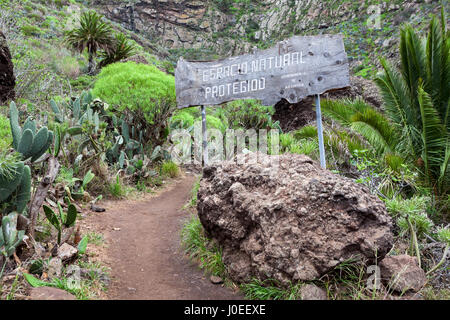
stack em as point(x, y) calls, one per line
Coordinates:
point(249, 114)
point(5, 133)
point(142, 90)
point(414, 130)
point(200, 248)
point(120, 49)
point(416, 99)
point(57, 130)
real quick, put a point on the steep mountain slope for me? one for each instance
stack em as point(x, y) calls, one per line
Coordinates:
point(233, 27)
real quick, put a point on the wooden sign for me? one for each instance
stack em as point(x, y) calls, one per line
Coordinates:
point(295, 68)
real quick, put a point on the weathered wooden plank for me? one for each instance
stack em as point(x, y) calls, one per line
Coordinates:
point(295, 68)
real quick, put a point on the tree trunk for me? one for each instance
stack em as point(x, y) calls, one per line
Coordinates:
point(91, 64)
point(41, 192)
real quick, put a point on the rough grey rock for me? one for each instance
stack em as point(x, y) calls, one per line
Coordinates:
point(66, 252)
point(402, 273)
point(312, 292)
point(55, 268)
point(7, 78)
point(293, 223)
point(48, 293)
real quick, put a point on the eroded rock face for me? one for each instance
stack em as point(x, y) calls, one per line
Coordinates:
point(197, 24)
point(7, 79)
point(294, 223)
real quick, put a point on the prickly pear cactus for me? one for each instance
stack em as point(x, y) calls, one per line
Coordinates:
point(15, 189)
point(27, 140)
point(10, 237)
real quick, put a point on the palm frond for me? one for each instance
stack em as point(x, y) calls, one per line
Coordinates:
point(413, 62)
point(121, 49)
point(338, 110)
point(438, 67)
point(372, 135)
point(378, 122)
point(433, 135)
point(444, 176)
point(397, 102)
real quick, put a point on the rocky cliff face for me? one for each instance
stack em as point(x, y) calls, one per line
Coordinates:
point(7, 79)
point(232, 27)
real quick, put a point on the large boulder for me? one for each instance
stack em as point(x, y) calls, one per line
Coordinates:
point(293, 223)
point(7, 79)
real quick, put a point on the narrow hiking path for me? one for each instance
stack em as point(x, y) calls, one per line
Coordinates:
point(144, 252)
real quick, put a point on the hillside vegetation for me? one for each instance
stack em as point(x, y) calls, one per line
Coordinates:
point(95, 110)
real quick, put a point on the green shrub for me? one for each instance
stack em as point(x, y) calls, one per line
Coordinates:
point(117, 189)
point(443, 235)
point(194, 193)
point(170, 169)
point(249, 114)
point(305, 146)
point(68, 66)
point(145, 91)
point(270, 290)
point(121, 49)
point(420, 221)
point(182, 120)
point(401, 207)
point(309, 131)
point(286, 141)
point(82, 82)
point(213, 122)
point(30, 30)
point(5, 133)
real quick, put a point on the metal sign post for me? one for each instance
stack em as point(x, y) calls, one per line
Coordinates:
point(323, 163)
point(205, 137)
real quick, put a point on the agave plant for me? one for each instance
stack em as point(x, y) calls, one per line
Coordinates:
point(93, 35)
point(416, 99)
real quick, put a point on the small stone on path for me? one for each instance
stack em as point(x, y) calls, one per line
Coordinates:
point(216, 280)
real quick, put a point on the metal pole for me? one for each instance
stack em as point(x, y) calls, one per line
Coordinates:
point(205, 138)
point(323, 163)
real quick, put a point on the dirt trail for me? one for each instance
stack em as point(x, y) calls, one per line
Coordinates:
point(145, 255)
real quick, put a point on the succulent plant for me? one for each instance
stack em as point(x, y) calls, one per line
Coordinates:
point(15, 188)
point(10, 237)
point(29, 141)
point(78, 190)
point(129, 143)
point(62, 219)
